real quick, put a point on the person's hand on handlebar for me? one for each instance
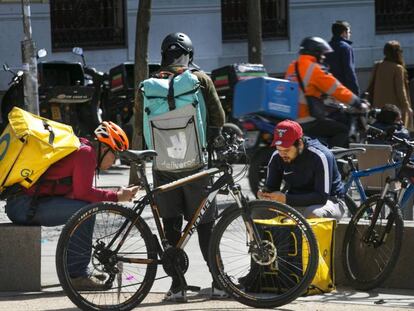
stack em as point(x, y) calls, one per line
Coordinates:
point(127, 193)
point(361, 104)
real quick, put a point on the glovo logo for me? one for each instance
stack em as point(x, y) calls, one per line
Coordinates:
point(25, 173)
point(4, 145)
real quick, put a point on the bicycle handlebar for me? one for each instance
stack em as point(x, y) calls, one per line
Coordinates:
point(389, 135)
point(228, 151)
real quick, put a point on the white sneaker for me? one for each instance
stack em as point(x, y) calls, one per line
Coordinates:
point(217, 293)
point(179, 296)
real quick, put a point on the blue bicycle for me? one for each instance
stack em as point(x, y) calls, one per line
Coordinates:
point(373, 238)
point(352, 176)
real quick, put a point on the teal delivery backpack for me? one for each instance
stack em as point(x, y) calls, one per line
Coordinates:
point(174, 121)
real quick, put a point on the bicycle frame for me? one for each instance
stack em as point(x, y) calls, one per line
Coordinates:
point(356, 175)
point(223, 180)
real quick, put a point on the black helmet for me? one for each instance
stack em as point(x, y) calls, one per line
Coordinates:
point(314, 46)
point(177, 39)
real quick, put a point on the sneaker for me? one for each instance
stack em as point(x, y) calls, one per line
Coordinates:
point(86, 283)
point(100, 276)
point(179, 296)
point(217, 293)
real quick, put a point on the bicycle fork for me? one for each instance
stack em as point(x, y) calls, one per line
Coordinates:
point(370, 234)
point(252, 232)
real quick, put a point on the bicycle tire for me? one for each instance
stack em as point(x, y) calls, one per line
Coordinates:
point(133, 280)
point(362, 271)
point(237, 285)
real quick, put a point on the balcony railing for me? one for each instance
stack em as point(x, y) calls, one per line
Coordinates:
point(90, 24)
point(394, 15)
point(234, 19)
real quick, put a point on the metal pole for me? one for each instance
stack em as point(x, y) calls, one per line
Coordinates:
point(31, 98)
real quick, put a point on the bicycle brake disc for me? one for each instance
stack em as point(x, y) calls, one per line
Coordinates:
point(265, 254)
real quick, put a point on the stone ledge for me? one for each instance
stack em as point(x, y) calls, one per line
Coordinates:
point(20, 257)
point(403, 274)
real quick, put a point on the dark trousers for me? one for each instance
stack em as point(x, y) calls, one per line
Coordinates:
point(330, 131)
point(172, 227)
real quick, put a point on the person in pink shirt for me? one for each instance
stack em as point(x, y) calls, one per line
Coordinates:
point(67, 186)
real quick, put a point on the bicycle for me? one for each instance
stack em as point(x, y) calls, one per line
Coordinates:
point(376, 229)
point(352, 175)
point(123, 254)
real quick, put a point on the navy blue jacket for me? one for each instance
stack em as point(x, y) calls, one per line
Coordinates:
point(342, 64)
point(312, 177)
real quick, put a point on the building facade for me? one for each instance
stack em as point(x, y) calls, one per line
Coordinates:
point(106, 30)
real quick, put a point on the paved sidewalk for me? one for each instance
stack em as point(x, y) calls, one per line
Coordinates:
point(342, 300)
point(52, 297)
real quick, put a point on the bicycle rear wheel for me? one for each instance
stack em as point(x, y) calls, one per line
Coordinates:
point(369, 258)
point(123, 271)
point(263, 275)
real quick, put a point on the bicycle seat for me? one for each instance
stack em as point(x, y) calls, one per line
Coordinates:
point(342, 152)
point(137, 155)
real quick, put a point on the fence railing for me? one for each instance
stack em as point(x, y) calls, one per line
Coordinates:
point(87, 23)
point(394, 15)
point(234, 19)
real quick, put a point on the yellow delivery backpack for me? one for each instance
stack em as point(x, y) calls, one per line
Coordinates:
point(29, 145)
point(294, 255)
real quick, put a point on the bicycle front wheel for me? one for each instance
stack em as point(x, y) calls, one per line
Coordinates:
point(106, 258)
point(369, 256)
point(270, 272)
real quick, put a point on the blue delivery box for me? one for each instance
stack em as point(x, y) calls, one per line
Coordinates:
point(269, 96)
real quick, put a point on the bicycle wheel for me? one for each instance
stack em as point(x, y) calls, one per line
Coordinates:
point(369, 259)
point(241, 267)
point(124, 270)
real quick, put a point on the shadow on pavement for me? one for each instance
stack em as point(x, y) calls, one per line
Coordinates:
point(378, 297)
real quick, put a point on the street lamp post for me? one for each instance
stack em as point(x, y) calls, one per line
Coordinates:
point(31, 99)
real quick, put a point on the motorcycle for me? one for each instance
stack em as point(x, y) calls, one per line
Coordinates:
point(14, 95)
point(65, 95)
point(119, 104)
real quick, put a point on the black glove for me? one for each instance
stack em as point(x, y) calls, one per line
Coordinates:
point(214, 137)
point(360, 103)
point(218, 142)
point(213, 132)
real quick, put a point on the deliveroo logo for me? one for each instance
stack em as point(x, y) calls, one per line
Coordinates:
point(179, 146)
point(4, 145)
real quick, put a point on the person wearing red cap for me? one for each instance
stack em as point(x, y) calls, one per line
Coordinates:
point(310, 171)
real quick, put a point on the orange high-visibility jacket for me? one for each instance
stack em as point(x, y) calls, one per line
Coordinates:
point(317, 81)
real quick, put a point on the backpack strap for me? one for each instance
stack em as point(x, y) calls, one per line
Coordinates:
point(302, 86)
point(51, 133)
point(170, 97)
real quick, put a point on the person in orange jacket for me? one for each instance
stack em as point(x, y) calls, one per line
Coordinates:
point(315, 82)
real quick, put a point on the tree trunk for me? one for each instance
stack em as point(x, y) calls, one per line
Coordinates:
point(254, 26)
point(140, 73)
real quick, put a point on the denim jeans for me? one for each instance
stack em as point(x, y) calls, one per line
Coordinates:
point(56, 211)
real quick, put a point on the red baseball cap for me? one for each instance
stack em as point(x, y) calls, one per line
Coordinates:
point(286, 133)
